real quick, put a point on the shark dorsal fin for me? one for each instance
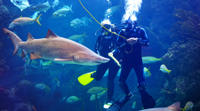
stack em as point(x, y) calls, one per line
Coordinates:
point(30, 37)
point(174, 107)
point(50, 34)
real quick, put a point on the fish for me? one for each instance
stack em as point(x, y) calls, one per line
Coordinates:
point(147, 73)
point(55, 48)
point(42, 86)
point(79, 22)
point(173, 107)
point(188, 106)
point(164, 69)
point(20, 21)
point(62, 12)
point(100, 94)
point(21, 4)
point(42, 7)
point(72, 99)
point(55, 3)
point(77, 37)
point(96, 90)
point(150, 59)
point(97, 96)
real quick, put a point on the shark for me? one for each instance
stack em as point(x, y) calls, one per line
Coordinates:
point(173, 107)
point(55, 48)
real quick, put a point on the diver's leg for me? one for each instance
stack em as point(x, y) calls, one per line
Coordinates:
point(113, 69)
point(101, 69)
point(138, 67)
point(147, 99)
point(126, 68)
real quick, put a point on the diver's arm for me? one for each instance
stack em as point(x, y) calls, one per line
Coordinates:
point(97, 44)
point(143, 40)
point(120, 41)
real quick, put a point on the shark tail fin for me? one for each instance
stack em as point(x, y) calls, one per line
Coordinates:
point(15, 39)
point(37, 19)
point(175, 107)
point(86, 78)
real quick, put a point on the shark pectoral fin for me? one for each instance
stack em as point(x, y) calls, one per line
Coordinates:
point(23, 54)
point(34, 56)
point(76, 58)
point(30, 37)
point(61, 60)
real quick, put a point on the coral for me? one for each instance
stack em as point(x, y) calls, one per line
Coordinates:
point(182, 57)
point(188, 25)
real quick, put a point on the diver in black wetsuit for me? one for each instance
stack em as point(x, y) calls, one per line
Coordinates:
point(106, 43)
point(131, 49)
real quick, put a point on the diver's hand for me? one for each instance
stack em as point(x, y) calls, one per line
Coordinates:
point(132, 40)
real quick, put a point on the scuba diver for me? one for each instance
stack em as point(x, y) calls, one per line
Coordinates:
point(105, 43)
point(131, 51)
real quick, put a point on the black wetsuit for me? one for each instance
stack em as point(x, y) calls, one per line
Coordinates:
point(132, 59)
point(106, 43)
point(132, 55)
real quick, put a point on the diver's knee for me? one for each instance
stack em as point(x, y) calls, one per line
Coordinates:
point(141, 86)
point(96, 76)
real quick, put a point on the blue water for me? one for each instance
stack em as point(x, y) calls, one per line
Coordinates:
point(158, 18)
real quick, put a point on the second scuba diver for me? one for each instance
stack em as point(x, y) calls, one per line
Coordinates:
point(106, 42)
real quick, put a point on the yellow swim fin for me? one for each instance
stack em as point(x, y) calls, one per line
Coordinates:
point(86, 78)
point(37, 19)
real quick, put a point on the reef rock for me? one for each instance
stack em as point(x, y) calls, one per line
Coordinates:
point(183, 58)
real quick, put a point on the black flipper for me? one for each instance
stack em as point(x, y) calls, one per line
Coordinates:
point(118, 104)
point(147, 100)
point(114, 107)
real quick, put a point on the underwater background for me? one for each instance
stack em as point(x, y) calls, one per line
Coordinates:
point(173, 27)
